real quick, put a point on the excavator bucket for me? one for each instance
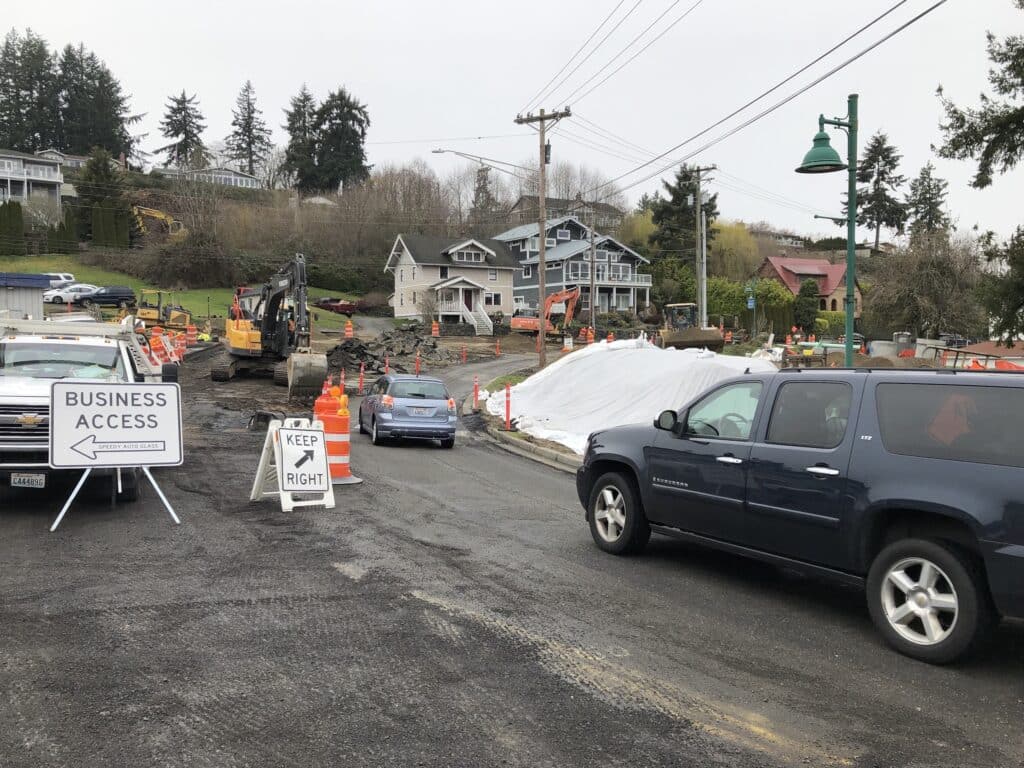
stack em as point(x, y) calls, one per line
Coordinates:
point(306, 373)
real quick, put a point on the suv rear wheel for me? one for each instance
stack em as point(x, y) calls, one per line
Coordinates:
point(930, 600)
point(617, 522)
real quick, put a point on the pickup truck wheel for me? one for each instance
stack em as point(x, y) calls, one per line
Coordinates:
point(617, 522)
point(930, 600)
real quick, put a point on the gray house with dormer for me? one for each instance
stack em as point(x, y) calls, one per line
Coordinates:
point(618, 282)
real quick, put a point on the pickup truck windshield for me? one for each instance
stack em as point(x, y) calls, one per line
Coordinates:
point(59, 361)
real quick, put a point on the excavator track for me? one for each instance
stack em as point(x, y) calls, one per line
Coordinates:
point(223, 370)
point(281, 374)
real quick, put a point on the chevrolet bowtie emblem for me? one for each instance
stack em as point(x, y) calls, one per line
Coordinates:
point(29, 420)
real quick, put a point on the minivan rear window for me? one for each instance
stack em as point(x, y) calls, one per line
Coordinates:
point(957, 422)
point(421, 390)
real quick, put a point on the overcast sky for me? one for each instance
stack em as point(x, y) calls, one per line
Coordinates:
point(433, 71)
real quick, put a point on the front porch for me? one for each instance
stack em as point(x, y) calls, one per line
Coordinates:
point(619, 299)
point(460, 300)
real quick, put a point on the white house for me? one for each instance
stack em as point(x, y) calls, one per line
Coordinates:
point(227, 177)
point(465, 279)
point(25, 177)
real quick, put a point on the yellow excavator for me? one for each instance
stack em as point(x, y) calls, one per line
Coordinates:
point(155, 311)
point(681, 330)
point(175, 229)
point(273, 338)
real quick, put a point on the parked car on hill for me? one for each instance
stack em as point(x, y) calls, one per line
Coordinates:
point(109, 296)
point(69, 293)
point(340, 306)
point(59, 279)
point(907, 483)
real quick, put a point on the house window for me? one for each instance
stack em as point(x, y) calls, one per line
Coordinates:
point(448, 297)
point(563, 234)
point(533, 244)
point(550, 242)
point(401, 275)
point(492, 299)
point(471, 256)
point(821, 305)
point(622, 301)
point(833, 305)
point(414, 297)
point(554, 264)
point(614, 257)
point(602, 255)
point(444, 273)
point(401, 299)
point(414, 274)
point(492, 274)
point(528, 271)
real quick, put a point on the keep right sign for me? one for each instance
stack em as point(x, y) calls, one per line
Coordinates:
point(302, 461)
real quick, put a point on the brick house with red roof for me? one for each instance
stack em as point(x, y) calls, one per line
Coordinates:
point(831, 280)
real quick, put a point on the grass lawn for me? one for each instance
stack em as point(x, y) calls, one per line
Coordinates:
point(510, 378)
point(197, 300)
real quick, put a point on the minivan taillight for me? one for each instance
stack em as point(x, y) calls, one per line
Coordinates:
point(451, 405)
point(388, 402)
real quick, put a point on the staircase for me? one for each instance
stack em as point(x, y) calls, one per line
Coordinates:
point(479, 319)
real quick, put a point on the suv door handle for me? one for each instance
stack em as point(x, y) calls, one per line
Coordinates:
point(824, 471)
point(728, 459)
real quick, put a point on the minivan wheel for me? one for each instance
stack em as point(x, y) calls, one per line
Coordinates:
point(617, 522)
point(930, 600)
point(375, 436)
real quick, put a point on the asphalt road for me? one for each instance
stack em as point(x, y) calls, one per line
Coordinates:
point(451, 611)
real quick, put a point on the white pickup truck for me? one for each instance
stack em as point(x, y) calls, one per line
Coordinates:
point(34, 354)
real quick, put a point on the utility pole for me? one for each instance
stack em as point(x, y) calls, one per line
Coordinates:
point(542, 120)
point(701, 252)
point(593, 267)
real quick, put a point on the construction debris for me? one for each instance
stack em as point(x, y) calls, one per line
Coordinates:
point(398, 346)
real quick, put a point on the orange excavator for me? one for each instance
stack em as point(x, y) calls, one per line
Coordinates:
point(529, 321)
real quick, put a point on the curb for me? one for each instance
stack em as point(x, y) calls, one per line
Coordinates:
point(538, 453)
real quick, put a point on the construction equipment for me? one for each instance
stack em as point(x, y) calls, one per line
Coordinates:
point(682, 330)
point(528, 321)
point(175, 229)
point(154, 311)
point(274, 339)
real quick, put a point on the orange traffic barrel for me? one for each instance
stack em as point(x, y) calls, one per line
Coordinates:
point(337, 436)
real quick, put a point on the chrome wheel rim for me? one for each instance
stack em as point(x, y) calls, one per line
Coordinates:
point(373, 429)
point(919, 601)
point(610, 514)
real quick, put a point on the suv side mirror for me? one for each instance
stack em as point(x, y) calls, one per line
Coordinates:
point(666, 420)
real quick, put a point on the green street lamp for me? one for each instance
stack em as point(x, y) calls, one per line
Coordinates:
point(822, 158)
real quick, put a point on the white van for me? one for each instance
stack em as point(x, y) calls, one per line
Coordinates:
point(59, 279)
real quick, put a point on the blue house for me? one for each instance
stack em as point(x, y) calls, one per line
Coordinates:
point(618, 283)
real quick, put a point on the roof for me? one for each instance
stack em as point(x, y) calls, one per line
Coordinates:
point(531, 201)
point(24, 280)
point(566, 250)
point(65, 155)
point(793, 272)
point(26, 156)
point(992, 348)
point(430, 249)
point(453, 281)
point(530, 230)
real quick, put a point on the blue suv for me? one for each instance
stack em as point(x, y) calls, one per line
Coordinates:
point(909, 483)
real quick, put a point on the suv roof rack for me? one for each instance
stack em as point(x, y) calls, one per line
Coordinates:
point(125, 329)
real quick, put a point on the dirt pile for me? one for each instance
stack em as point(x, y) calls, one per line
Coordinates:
point(399, 346)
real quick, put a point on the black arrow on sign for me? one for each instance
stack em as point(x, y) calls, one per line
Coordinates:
point(306, 456)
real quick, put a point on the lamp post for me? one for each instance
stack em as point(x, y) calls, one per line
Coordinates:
point(488, 161)
point(823, 159)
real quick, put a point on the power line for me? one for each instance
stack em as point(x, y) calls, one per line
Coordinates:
point(450, 138)
point(536, 97)
point(779, 104)
point(690, 10)
point(592, 52)
point(595, 127)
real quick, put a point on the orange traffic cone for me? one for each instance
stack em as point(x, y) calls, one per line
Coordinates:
point(337, 434)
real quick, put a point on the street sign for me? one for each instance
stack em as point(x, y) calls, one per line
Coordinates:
point(302, 465)
point(750, 302)
point(100, 424)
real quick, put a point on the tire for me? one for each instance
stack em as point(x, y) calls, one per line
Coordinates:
point(123, 305)
point(375, 437)
point(87, 302)
point(449, 443)
point(626, 532)
point(359, 418)
point(939, 615)
point(56, 300)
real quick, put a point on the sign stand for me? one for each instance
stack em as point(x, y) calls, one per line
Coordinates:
point(85, 476)
point(278, 467)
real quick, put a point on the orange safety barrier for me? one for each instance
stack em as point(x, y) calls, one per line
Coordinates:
point(349, 329)
point(180, 345)
point(191, 335)
point(1006, 365)
point(497, 347)
point(156, 330)
point(611, 336)
point(728, 337)
point(328, 402)
point(789, 340)
point(435, 329)
point(906, 353)
point(337, 435)
point(590, 335)
point(975, 365)
point(159, 351)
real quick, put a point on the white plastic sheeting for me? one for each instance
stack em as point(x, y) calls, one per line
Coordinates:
point(610, 384)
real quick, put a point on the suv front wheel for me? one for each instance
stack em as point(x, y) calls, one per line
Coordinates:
point(617, 521)
point(930, 600)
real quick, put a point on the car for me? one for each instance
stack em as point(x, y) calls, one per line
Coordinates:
point(109, 296)
point(59, 279)
point(907, 483)
point(407, 406)
point(33, 355)
point(69, 293)
point(340, 306)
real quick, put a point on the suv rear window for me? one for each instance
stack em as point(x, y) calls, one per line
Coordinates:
point(811, 414)
point(422, 390)
point(956, 422)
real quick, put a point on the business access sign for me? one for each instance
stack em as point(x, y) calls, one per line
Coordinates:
point(96, 424)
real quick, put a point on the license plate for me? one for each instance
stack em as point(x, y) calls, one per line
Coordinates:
point(28, 480)
point(420, 411)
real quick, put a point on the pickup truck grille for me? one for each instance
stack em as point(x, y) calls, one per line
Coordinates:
point(22, 425)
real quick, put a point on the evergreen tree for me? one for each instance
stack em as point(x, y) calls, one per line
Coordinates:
point(12, 229)
point(992, 134)
point(300, 155)
point(675, 215)
point(1002, 292)
point(926, 203)
point(341, 125)
point(99, 226)
point(94, 110)
point(877, 204)
point(28, 93)
point(484, 209)
point(122, 223)
point(183, 122)
point(805, 306)
point(99, 180)
point(249, 141)
point(13, 133)
point(6, 239)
